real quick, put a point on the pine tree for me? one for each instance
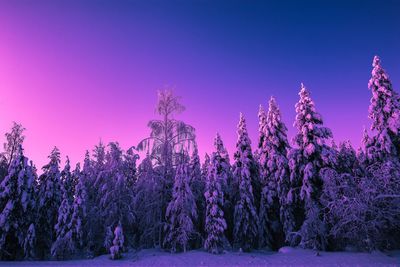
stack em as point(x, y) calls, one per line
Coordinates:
point(94, 233)
point(197, 185)
point(49, 200)
point(116, 198)
point(228, 185)
point(306, 162)
point(118, 243)
point(147, 204)
point(130, 171)
point(275, 211)
point(181, 212)
point(79, 210)
point(18, 210)
point(205, 167)
point(67, 181)
point(215, 224)
point(245, 216)
point(384, 111)
point(63, 247)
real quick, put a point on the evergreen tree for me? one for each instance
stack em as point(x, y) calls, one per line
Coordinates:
point(147, 204)
point(229, 187)
point(49, 200)
point(116, 198)
point(245, 216)
point(275, 211)
point(181, 212)
point(130, 171)
point(215, 224)
point(63, 247)
point(306, 162)
point(197, 185)
point(79, 210)
point(18, 210)
point(205, 167)
point(384, 111)
point(67, 181)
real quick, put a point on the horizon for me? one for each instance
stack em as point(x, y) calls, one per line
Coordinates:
point(73, 73)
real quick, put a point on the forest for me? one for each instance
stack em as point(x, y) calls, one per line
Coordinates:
point(308, 192)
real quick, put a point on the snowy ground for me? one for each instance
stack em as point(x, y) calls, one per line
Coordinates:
point(287, 257)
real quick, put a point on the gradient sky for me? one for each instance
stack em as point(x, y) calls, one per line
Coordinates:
point(73, 72)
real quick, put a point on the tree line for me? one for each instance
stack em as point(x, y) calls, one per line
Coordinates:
point(310, 192)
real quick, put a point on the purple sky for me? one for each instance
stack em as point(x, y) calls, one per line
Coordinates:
point(73, 72)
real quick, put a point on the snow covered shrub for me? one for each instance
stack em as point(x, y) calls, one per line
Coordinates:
point(63, 248)
point(364, 212)
point(118, 243)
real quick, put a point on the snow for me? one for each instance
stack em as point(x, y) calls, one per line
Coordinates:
point(286, 257)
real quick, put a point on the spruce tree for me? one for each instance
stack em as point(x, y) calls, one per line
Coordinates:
point(181, 212)
point(18, 210)
point(63, 247)
point(275, 211)
point(311, 155)
point(215, 224)
point(147, 204)
point(79, 210)
point(384, 111)
point(228, 186)
point(49, 200)
point(197, 185)
point(116, 199)
point(245, 215)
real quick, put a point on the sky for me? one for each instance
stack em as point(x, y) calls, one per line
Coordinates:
point(76, 72)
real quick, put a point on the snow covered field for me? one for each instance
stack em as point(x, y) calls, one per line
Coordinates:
point(287, 257)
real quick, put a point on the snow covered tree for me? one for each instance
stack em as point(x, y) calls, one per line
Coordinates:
point(147, 204)
point(116, 198)
point(181, 212)
point(229, 187)
point(305, 162)
point(205, 167)
point(49, 200)
point(30, 243)
point(245, 216)
point(15, 138)
point(118, 243)
point(168, 139)
point(67, 181)
point(130, 171)
point(275, 210)
point(93, 219)
point(215, 224)
point(364, 211)
point(18, 210)
point(197, 185)
point(63, 247)
point(65, 243)
point(79, 210)
point(384, 111)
